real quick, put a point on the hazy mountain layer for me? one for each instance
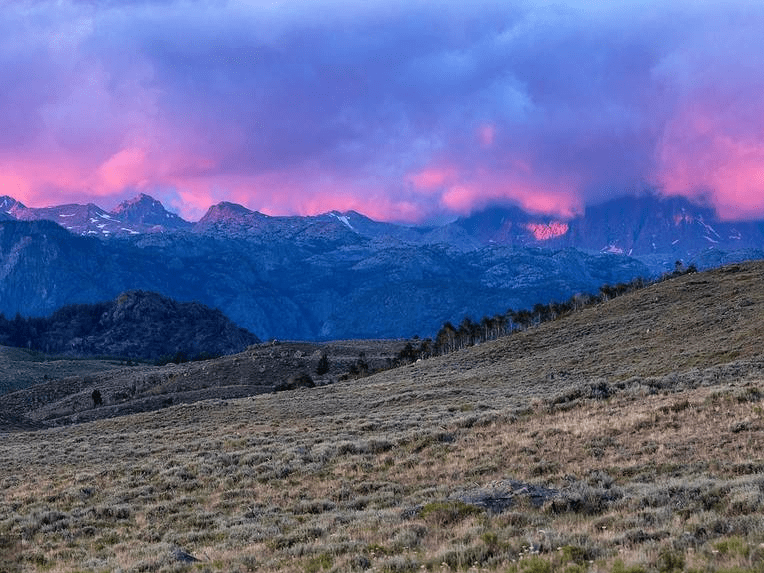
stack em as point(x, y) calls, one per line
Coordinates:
point(342, 275)
point(312, 287)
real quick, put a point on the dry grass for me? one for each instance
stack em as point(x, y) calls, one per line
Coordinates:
point(20, 368)
point(63, 389)
point(584, 445)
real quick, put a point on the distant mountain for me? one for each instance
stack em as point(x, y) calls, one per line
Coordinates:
point(145, 211)
point(229, 220)
point(305, 284)
point(343, 275)
point(140, 215)
point(136, 324)
point(647, 225)
point(657, 230)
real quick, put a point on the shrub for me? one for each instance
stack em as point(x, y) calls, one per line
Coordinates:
point(575, 554)
point(670, 561)
point(464, 557)
point(316, 564)
point(619, 567)
point(323, 365)
point(446, 513)
point(303, 380)
point(536, 565)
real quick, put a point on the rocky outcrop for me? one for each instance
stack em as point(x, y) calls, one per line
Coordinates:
point(137, 324)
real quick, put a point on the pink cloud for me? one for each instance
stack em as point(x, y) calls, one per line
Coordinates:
point(534, 195)
point(304, 192)
point(125, 168)
point(14, 185)
point(716, 147)
point(38, 182)
point(295, 114)
point(432, 178)
point(486, 134)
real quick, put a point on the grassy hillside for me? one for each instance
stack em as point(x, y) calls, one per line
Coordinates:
point(20, 368)
point(626, 437)
point(57, 399)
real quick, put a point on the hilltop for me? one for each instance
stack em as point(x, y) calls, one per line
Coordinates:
point(136, 324)
point(624, 437)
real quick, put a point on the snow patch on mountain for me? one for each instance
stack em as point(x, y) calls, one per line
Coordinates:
point(343, 219)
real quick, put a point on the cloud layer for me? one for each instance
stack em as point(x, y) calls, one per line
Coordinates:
point(402, 110)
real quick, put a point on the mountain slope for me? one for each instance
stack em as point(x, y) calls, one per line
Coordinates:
point(311, 284)
point(684, 324)
point(585, 439)
point(136, 324)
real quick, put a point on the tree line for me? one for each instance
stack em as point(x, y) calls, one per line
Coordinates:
point(469, 332)
point(46, 334)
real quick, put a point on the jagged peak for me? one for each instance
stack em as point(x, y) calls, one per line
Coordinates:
point(140, 200)
point(145, 210)
point(7, 203)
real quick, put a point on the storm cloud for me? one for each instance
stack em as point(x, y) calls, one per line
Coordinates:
point(402, 110)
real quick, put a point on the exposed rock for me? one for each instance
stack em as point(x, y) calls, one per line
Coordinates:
point(183, 556)
point(499, 496)
point(137, 324)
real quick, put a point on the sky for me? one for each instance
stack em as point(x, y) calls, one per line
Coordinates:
point(404, 110)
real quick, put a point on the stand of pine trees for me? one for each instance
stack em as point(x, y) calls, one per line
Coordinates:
point(451, 338)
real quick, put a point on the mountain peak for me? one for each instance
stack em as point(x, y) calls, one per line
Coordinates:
point(145, 210)
point(142, 200)
point(8, 205)
point(226, 212)
point(229, 207)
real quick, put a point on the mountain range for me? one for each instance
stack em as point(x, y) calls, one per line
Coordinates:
point(342, 275)
point(645, 226)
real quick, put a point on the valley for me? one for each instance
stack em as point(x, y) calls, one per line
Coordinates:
point(623, 437)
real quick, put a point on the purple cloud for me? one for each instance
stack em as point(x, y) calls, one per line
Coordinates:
point(404, 110)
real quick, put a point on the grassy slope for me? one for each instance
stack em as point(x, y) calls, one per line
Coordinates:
point(642, 415)
point(141, 387)
point(20, 368)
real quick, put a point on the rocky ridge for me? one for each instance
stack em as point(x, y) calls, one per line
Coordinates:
point(658, 230)
point(137, 324)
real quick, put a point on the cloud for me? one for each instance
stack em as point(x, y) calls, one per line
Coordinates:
point(407, 110)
